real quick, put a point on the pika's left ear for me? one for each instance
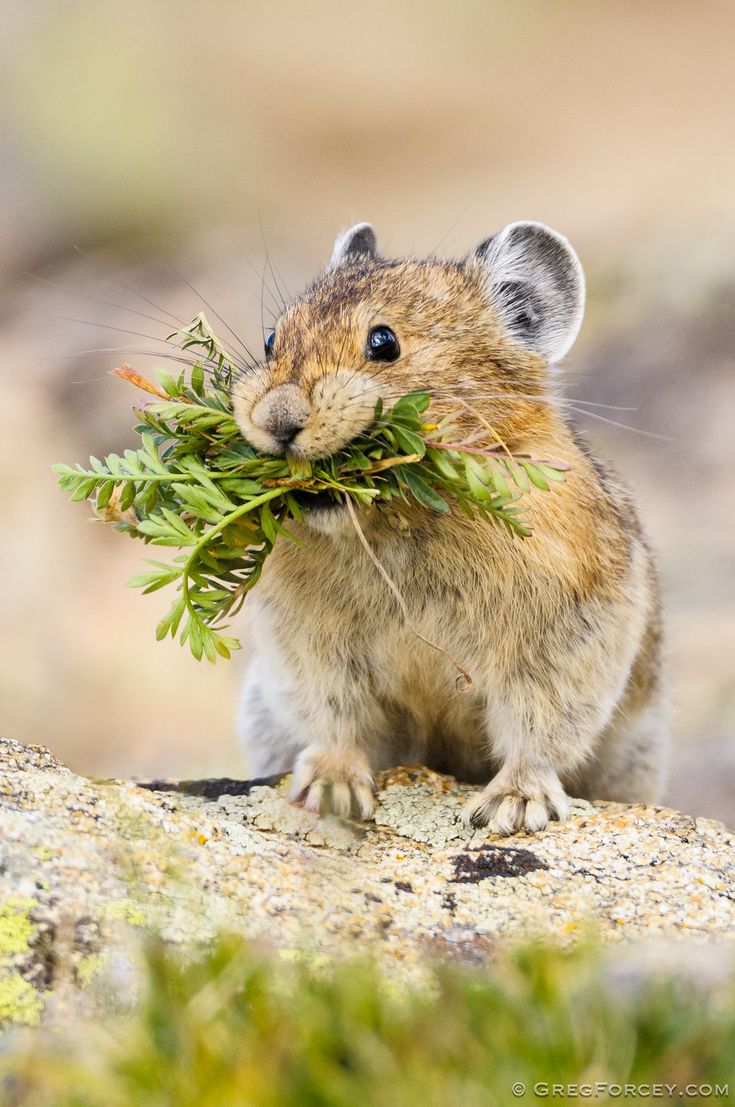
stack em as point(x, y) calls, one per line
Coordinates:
point(359, 241)
point(536, 284)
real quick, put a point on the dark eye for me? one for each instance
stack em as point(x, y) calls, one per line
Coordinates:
point(382, 345)
point(270, 341)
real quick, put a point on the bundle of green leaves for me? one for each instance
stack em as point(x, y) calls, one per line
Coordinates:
point(195, 484)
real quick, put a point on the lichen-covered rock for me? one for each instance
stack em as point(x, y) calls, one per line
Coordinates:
point(82, 862)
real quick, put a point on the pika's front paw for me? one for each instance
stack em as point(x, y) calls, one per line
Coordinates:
point(336, 780)
point(508, 805)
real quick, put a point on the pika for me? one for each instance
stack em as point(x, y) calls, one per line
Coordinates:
point(560, 631)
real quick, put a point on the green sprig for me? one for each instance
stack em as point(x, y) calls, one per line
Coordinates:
point(194, 484)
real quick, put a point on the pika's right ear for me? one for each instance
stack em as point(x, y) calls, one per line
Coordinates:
point(536, 285)
point(359, 241)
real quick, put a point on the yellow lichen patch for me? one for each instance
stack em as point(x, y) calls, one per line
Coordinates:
point(16, 928)
point(122, 910)
point(20, 1003)
point(88, 968)
point(45, 853)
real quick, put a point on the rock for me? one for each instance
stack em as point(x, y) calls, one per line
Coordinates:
point(84, 863)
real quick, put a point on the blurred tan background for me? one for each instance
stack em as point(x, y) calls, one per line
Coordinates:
point(149, 144)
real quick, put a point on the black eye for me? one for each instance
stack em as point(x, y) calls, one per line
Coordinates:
point(382, 345)
point(270, 340)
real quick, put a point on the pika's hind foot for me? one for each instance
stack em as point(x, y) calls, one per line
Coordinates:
point(516, 801)
point(334, 780)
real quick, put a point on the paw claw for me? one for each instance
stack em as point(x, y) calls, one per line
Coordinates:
point(364, 797)
point(314, 797)
point(537, 816)
point(341, 799)
point(560, 807)
point(509, 816)
point(473, 813)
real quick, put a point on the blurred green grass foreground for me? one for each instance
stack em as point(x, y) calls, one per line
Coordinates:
point(232, 1028)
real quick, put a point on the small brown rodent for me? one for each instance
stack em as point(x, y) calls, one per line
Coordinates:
point(560, 631)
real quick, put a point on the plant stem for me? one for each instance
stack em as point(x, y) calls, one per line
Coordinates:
point(251, 505)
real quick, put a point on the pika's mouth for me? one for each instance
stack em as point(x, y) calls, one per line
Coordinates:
point(324, 512)
point(321, 501)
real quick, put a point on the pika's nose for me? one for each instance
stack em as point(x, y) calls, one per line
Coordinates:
point(282, 413)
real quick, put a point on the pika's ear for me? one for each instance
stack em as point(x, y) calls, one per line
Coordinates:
point(359, 241)
point(536, 284)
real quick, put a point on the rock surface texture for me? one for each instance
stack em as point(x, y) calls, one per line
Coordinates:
point(82, 862)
